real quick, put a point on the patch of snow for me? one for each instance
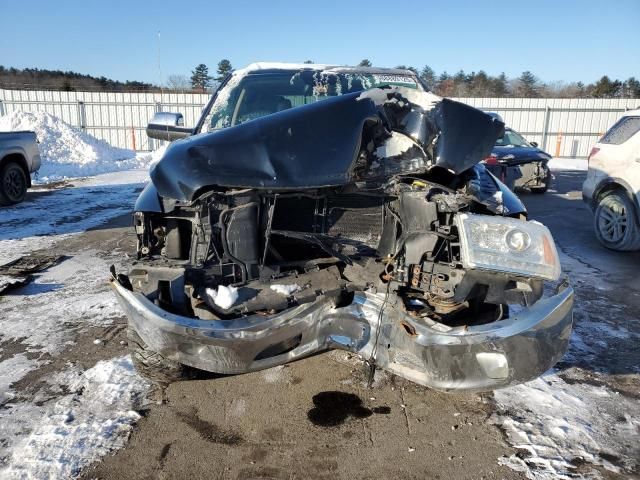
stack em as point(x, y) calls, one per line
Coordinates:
point(570, 416)
point(225, 297)
point(40, 222)
point(47, 313)
point(12, 370)
point(280, 66)
point(66, 433)
point(560, 425)
point(286, 289)
point(380, 96)
point(568, 164)
point(67, 151)
point(394, 146)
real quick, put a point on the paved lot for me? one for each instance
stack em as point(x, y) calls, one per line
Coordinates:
point(316, 418)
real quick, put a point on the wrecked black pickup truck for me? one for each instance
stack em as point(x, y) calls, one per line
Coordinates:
point(318, 207)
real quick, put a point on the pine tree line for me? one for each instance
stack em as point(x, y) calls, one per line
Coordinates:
point(43, 79)
point(461, 84)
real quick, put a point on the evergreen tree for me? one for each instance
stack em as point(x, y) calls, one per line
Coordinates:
point(528, 85)
point(479, 84)
point(605, 88)
point(498, 86)
point(364, 63)
point(224, 69)
point(428, 76)
point(200, 78)
point(459, 82)
point(631, 88)
point(308, 61)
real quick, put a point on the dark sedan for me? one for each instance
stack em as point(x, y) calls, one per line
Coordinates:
point(520, 164)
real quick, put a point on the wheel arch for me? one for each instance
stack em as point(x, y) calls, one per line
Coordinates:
point(20, 159)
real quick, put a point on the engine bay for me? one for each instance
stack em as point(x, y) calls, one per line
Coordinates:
point(399, 237)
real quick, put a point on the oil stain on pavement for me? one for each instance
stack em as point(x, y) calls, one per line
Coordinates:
point(334, 408)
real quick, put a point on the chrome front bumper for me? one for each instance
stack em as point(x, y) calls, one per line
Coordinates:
point(482, 357)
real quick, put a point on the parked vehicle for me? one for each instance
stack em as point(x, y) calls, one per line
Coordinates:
point(19, 158)
point(520, 164)
point(612, 187)
point(317, 207)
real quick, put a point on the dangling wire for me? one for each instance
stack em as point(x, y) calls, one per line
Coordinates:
point(372, 362)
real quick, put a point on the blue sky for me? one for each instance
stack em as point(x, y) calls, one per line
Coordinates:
point(557, 40)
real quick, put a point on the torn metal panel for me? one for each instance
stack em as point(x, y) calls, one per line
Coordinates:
point(18, 272)
point(310, 146)
point(317, 145)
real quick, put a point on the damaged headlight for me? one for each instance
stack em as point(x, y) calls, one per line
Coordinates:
point(507, 245)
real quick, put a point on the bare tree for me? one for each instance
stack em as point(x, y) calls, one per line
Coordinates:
point(178, 82)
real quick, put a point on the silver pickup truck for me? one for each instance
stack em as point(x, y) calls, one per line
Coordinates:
point(19, 158)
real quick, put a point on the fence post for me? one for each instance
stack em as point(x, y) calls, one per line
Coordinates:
point(152, 142)
point(1, 108)
point(545, 131)
point(558, 144)
point(82, 118)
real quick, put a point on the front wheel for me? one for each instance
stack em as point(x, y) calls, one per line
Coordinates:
point(13, 184)
point(151, 365)
point(546, 180)
point(616, 222)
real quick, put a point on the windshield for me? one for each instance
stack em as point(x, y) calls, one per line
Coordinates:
point(253, 96)
point(512, 139)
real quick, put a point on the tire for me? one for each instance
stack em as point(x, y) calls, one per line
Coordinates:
point(539, 190)
point(547, 183)
point(616, 222)
point(13, 184)
point(151, 365)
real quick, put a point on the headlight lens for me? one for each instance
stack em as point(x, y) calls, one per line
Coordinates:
point(507, 245)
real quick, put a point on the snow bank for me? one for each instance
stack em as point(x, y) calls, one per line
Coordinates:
point(67, 151)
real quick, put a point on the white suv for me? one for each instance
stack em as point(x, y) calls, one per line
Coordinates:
point(612, 187)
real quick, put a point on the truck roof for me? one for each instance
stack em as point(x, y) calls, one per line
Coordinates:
point(262, 66)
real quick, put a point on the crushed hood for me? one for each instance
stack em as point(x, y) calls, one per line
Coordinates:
point(318, 145)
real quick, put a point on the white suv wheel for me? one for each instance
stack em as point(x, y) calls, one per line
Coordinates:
point(616, 223)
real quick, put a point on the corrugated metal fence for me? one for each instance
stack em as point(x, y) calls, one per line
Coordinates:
point(120, 118)
point(563, 127)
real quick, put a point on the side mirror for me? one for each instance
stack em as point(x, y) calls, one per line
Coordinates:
point(167, 126)
point(534, 144)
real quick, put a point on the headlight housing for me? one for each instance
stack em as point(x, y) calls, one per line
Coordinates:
point(507, 245)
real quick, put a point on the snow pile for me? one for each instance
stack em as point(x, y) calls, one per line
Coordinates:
point(561, 426)
point(225, 297)
point(67, 151)
point(70, 432)
point(286, 289)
